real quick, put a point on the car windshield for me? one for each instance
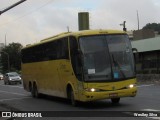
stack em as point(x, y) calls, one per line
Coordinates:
point(107, 57)
point(13, 74)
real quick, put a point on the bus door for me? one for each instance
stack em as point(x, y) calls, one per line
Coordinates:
point(64, 69)
point(76, 65)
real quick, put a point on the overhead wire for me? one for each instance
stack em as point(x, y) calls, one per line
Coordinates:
point(2, 8)
point(27, 14)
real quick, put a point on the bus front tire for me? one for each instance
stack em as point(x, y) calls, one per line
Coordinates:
point(115, 100)
point(72, 98)
point(73, 101)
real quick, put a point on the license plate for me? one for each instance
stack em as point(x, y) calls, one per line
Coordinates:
point(113, 95)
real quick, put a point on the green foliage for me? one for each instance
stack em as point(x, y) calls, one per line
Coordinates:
point(13, 50)
point(153, 26)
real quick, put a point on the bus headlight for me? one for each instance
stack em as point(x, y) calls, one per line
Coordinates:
point(92, 90)
point(131, 85)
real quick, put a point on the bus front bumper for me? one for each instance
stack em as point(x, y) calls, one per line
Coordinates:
point(100, 95)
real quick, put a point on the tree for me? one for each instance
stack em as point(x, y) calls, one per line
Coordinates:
point(153, 26)
point(13, 52)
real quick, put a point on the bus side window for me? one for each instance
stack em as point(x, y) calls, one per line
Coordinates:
point(51, 50)
point(62, 49)
point(75, 58)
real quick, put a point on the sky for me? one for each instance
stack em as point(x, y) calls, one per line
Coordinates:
point(35, 20)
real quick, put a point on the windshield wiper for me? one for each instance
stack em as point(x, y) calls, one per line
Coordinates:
point(118, 66)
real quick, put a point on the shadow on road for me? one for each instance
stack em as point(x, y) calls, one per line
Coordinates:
point(100, 104)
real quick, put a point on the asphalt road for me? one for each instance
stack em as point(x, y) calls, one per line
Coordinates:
point(13, 97)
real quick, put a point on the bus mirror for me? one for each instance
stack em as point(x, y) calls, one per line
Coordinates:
point(136, 54)
point(136, 57)
point(134, 50)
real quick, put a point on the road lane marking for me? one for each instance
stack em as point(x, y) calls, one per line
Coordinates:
point(13, 93)
point(145, 85)
point(11, 86)
point(13, 99)
point(151, 110)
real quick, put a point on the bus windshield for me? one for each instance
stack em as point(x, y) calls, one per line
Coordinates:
point(107, 57)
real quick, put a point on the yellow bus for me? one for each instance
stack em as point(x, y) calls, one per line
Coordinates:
point(83, 66)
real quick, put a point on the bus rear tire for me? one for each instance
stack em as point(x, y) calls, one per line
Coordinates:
point(34, 91)
point(115, 100)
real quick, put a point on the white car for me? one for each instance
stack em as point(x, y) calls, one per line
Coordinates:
point(12, 77)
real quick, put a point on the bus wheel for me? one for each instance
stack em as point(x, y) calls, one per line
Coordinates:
point(73, 101)
point(115, 100)
point(72, 98)
point(34, 91)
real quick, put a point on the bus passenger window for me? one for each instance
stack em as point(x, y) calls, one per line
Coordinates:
point(62, 49)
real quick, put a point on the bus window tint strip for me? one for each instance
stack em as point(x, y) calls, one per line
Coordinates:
point(48, 51)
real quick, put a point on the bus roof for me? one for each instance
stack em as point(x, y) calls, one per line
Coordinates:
point(76, 34)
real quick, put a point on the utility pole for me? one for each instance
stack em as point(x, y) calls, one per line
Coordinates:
point(12, 6)
point(138, 19)
point(5, 43)
point(124, 26)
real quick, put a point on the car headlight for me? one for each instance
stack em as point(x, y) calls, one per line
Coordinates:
point(10, 78)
